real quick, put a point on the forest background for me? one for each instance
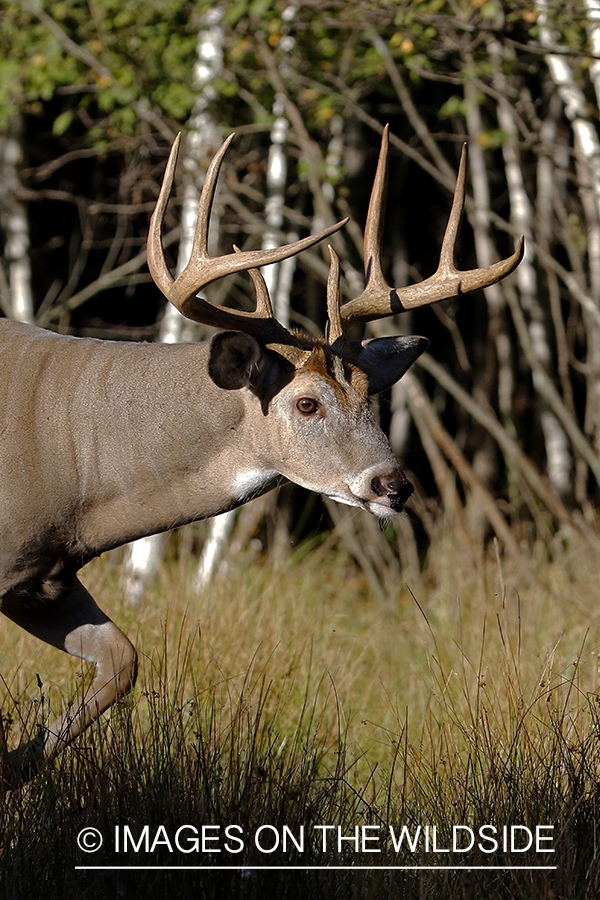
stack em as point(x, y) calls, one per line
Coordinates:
point(499, 424)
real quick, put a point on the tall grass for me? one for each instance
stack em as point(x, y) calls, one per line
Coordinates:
point(294, 698)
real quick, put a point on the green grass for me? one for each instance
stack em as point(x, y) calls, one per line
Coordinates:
point(295, 698)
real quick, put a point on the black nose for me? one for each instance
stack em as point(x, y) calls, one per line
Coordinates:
point(397, 488)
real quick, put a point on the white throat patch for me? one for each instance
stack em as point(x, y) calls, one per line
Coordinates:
point(250, 482)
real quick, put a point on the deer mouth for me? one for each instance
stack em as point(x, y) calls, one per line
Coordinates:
point(385, 497)
point(386, 507)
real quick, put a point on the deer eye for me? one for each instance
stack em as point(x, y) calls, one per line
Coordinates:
point(307, 406)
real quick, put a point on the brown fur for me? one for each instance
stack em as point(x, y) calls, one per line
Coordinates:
point(315, 354)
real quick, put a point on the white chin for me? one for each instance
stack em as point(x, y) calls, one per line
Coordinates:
point(378, 508)
point(381, 510)
point(348, 500)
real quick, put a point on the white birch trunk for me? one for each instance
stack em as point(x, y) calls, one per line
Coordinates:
point(592, 412)
point(555, 440)
point(16, 228)
point(276, 180)
point(144, 556)
point(587, 144)
point(592, 8)
point(587, 149)
point(485, 252)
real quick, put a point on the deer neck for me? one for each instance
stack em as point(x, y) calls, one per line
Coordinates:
point(163, 448)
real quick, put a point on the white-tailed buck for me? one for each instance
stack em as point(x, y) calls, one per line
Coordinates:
point(104, 442)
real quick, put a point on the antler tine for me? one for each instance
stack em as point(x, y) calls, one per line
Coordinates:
point(334, 327)
point(156, 257)
point(200, 245)
point(202, 269)
point(447, 263)
point(375, 219)
point(379, 299)
point(264, 307)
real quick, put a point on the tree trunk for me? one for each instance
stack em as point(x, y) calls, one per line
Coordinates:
point(17, 298)
point(557, 453)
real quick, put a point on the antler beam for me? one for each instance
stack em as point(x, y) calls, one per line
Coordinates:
point(202, 269)
point(379, 299)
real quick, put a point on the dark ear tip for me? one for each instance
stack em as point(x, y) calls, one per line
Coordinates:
point(385, 360)
point(421, 344)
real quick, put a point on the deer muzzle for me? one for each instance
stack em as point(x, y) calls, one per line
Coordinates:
point(382, 491)
point(394, 489)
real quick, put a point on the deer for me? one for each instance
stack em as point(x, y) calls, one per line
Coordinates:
point(103, 442)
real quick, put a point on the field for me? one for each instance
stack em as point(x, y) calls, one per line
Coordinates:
point(294, 698)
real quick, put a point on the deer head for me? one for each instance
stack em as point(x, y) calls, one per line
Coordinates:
point(309, 382)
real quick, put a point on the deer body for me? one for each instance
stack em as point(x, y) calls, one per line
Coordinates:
point(112, 441)
point(104, 442)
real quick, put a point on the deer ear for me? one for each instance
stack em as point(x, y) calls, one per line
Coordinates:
point(385, 360)
point(234, 358)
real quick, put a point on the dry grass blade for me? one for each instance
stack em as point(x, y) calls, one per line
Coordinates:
point(313, 704)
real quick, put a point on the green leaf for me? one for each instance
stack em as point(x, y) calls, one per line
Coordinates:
point(62, 122)
point(454, 106)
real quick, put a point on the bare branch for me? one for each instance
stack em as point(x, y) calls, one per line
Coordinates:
point(108, 280)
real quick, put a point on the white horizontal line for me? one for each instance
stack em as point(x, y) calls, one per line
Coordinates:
point(465, 868)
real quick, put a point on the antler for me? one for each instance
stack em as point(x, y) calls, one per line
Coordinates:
point(379, 299)
point(202, 269)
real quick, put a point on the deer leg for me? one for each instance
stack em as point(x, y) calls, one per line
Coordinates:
point(74, 623)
